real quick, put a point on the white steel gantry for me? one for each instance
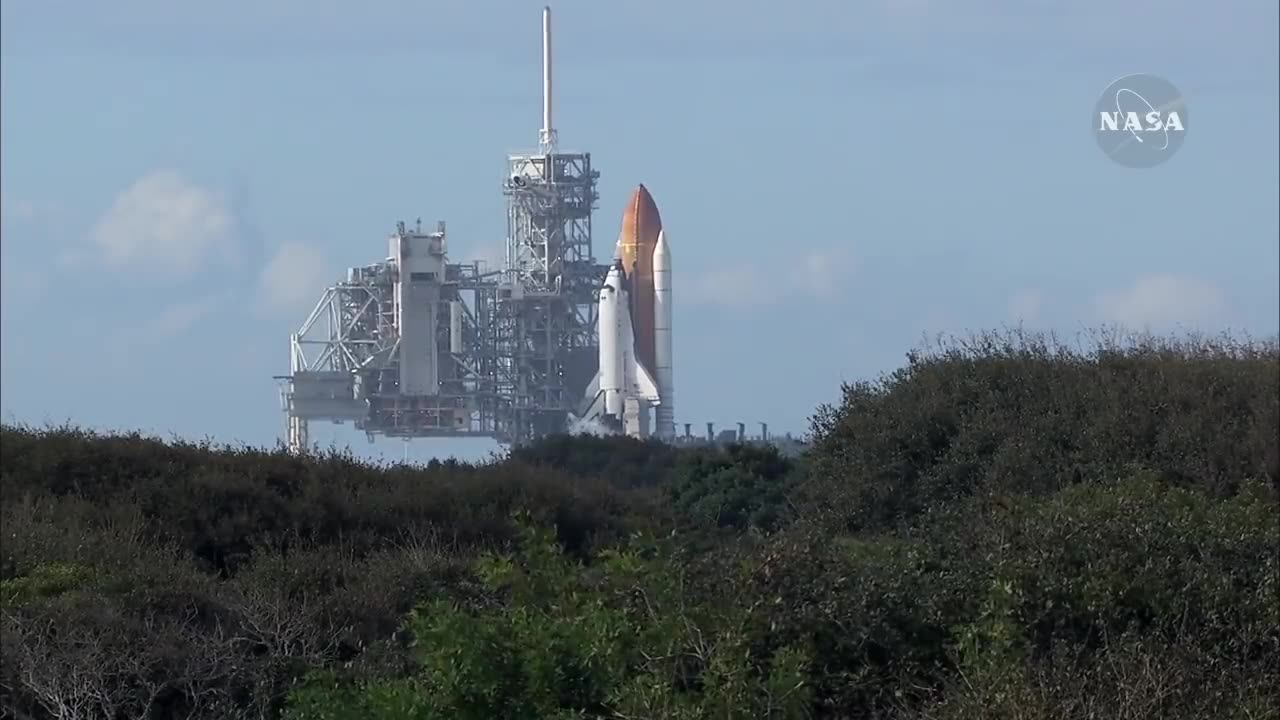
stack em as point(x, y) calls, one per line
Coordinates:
point(418, 347)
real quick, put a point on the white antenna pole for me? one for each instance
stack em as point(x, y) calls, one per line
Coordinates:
point(546, 138)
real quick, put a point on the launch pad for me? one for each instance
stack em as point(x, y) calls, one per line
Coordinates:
point(416, 346)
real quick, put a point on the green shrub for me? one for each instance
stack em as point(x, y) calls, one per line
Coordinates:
point(568, 641)
point(1014, 413)
point(740, 487)
point(1005, 528)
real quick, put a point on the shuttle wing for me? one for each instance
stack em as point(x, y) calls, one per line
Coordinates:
point(638, 382)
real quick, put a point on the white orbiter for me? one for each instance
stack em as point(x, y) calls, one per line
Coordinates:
point(636, 380)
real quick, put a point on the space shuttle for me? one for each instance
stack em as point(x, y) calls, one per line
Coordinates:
point(633, 392)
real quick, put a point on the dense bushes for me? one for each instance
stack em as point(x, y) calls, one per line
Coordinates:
point(1002, 528)
point(253, 566)
point(742, 487)
point(625, 462)
point(616, 640)
point(219, 504)
point(1008, 587)
point(1025, 414)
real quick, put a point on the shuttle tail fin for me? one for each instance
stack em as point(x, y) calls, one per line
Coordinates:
point(643, 384)
point(593, 400)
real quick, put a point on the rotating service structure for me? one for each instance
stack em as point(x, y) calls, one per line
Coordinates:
point(403, 348)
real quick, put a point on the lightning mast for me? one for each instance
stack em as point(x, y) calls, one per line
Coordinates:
point(547, 136)
point(547, 340)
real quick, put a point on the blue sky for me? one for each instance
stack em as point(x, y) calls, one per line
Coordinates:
point(181, 180)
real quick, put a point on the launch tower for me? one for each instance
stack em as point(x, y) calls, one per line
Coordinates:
point(546, 332)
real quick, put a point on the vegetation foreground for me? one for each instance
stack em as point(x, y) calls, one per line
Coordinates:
point(1002, 528)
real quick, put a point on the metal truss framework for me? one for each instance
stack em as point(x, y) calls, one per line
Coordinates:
point(547, 340)
point(516, 348)
point(519, 344)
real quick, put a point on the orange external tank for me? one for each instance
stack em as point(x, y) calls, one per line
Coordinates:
point(641, 224)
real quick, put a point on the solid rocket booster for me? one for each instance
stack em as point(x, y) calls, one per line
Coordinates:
point(666, 419)
point(635, 327)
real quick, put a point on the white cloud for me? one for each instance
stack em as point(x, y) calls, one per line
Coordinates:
point(181, 317)
point(25, 230)
point(915, 9)
point(21, 283)
point(176, 319)
point(740, 286)
point(294, 278)
point(164, 223)
point(823, 274)
point(1161, 300)
point(1026, 305)
point(493, 255)
point(15, 208)
point(123, 347)
point(73, 257)
point(817, 275)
